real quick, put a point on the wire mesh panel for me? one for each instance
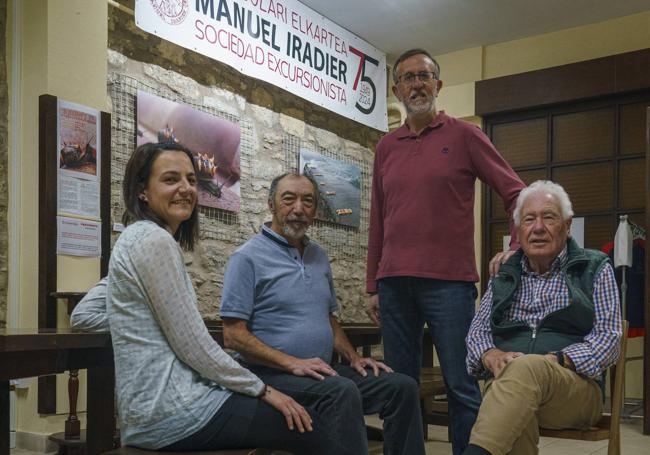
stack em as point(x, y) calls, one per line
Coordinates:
point(215, 223)
point(339, 240)
point(220, 224)
point(266, 149)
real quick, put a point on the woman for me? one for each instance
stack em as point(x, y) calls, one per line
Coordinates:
point(176, 388)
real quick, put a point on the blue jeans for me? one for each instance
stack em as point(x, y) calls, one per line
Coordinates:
point(447, 307)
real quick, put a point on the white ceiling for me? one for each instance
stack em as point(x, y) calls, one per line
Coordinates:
point(442, 26)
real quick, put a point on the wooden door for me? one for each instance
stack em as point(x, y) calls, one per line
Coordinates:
point(646, 350)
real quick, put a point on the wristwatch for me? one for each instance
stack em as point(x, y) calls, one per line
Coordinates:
point(559, 355)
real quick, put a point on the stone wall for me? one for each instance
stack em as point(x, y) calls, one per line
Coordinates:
point(273, 120)
point(4, 133)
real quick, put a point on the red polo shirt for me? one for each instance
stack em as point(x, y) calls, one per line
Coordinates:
point(422, 208)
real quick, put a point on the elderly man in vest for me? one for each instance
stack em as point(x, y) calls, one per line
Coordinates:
point(549, 325)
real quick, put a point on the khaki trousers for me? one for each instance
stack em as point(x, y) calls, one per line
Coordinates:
point(532, 392)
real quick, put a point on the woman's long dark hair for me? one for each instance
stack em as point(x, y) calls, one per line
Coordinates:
point(136, 176)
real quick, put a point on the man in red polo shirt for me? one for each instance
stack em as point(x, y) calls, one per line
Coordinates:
point(421, 265)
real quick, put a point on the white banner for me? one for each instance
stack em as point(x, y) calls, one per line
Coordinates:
point(282, 42)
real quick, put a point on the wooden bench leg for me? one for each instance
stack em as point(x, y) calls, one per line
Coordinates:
point(72, 424)
point(4, 417)
point(101, 409)
point(425, 425)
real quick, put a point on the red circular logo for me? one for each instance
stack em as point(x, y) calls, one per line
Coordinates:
point(171, 11)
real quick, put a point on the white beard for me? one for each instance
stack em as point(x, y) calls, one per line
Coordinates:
point(419, 105)
point(294, 233)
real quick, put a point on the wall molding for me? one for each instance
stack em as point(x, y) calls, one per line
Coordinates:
point(616, 74)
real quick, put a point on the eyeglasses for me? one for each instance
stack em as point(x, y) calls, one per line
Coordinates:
point(423, 76)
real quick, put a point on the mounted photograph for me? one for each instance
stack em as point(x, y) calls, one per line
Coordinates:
point(339, 185)
point(214, 143)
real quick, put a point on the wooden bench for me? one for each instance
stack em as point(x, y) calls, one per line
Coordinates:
point(359, 334)
point(28, 353)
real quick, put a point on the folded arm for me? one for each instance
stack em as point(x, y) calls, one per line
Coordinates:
point(90, 313)
point(479, 337)
point(237, 337)
point(600, 347)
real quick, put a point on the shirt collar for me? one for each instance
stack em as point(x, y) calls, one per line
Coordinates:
point(404, 131)
point(277, 238)
point(556, 265)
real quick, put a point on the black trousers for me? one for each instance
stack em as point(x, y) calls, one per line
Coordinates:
point(246, 422)
point(344, 399)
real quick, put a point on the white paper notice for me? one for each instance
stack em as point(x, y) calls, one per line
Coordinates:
point(578, 231)
point(77, 237)
point(78, 197)
point(506, 243)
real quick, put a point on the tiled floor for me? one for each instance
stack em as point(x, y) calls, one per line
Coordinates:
point(27, 452)
point(633, 442)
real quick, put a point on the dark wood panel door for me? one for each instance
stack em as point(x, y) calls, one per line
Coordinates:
point(646, 350)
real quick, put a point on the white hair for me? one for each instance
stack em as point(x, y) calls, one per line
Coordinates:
point(544, 186)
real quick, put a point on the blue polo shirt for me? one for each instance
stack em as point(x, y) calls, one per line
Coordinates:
point(286, 298)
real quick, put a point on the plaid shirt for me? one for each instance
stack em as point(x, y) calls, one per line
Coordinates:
point(540, 295)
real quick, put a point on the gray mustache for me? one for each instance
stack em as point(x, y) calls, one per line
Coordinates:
point(302, 219)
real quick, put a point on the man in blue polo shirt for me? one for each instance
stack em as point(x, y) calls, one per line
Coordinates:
point(278, 306)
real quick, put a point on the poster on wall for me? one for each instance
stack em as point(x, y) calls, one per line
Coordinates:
point(284, 43)
point(79, 159)
point(213, 141)
point(339, 187)
point(77, 237)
